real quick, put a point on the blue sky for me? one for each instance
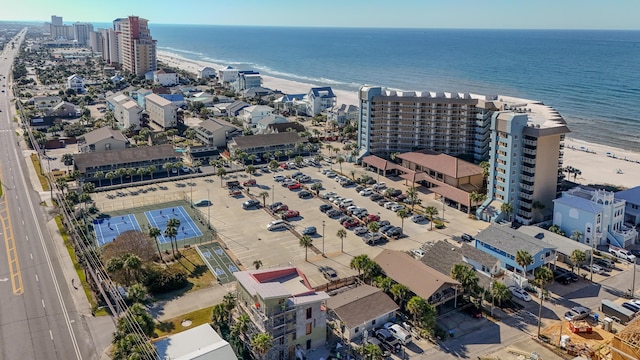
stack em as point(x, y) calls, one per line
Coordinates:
point(510, 14)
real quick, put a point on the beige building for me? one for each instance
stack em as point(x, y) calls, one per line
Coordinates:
point(161, 111)
point(125, 110)
point(137, 50)
point(102, 139)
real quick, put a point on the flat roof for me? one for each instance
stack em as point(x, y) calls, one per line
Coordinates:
point(252, 141)
point(275, 282)
point(202, 343)
point(116, 157)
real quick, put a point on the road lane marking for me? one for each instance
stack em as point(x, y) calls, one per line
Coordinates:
point(51, 334)
point(43, 304)
point(38, 280)
point(10, 245)
point(31, 255)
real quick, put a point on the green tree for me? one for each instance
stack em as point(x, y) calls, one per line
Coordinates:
point(273, 165)
point(151, 170)
point(67, 160)
point(252, 158)
point(384, 283)
point(153, 233)
point(298, 160)
point(306, 242)
point(277, 154)
point(221, 172)
point(340, 160)
point(578, 257)
point(485, 168)
point(500, 292)
point(257, 264)
point(543, 275)
point(370, 352)
point(250, 170)
point(359, 263)
point(412, 196)
point(402, 214)
point(576, 235)
point(132, 172)
point(137, 293)
point(62, 184)
point(171, 232)
point(373, 226)
point(466, 276)
point(399, 293)
point(431, 211)
point(264, 195)
point(121, 172)
point(507, 209)
point(524, 259)
point(261, 344)
point(99, 175)
point(342, 233)
point(316, 186)
point(424, 314)
point(110, 175)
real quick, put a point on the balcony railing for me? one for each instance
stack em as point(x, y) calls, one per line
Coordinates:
point(530, 142)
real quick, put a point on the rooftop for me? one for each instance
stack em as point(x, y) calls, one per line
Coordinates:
point(102, 133)
point(216, 124)
point(252, 141)
point(275, 282)
point(361, 304)
point(324, 91)
point(510, 240)
point(421, 279)
point(297, 127)
point(202, 342)
point(116, 157)
point(630, 195)
point(563, 244)
point(442, 163)
point(157, 99)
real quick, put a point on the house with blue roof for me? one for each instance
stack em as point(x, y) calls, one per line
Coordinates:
point(632, 205)
point(596, 215)
point(320, 99)
point(504, 242)
point(176, 99)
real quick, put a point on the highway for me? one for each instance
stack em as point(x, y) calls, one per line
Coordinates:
point(38, 319)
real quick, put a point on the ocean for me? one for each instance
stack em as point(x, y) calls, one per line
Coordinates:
point(591, 77)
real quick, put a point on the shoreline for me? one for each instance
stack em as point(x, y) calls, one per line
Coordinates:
point(599, 163)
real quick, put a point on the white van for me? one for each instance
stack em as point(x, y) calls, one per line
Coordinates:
point(276, 225)
point(346, 202)
point(398, 332)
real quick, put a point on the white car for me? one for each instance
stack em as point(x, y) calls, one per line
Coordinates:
point(279, 178)
point(331, 174)
point(390, 204)
point(329, 195)
point(360, 230)
point(379, 186)
point(417, 253)
point(397, 207)
point(519, 293)
point(366, 192)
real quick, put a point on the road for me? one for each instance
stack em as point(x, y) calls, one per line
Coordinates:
point(37, 316)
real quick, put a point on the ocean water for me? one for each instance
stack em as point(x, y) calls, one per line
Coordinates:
point(591, 77)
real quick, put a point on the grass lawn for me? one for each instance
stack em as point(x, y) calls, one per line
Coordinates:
point(37, 166)
point(198, 274)
point(172, 326)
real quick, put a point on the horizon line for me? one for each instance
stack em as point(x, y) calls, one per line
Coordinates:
point(340, 27)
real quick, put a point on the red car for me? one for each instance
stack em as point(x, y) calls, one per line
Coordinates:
point(284, 166)
point(290, 214)
point(294, 186)
point(280, 208)
point(373, 217)
point(250, 182)
point(350, 223)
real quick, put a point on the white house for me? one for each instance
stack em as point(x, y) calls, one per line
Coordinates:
point(201, 343)
point(247, 79)
point(253, 114)
point(227, 75)
point(165, 77)
point(206, 72)
point(216, 133)
point(632, 207)
point(161, 111)
point(263, 124)
point(343, 114)
point(320, 99)
point(76, 83)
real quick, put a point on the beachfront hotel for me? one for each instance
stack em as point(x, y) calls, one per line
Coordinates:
point(134, 47)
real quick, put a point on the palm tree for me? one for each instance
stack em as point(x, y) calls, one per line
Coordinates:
point(132, 266)
point(167, 166)
point(175, 223)
point(137, 293)
point(264, 195)
point(151, 169)
point(261, 344)
point(250, 170)
point(141, 171)
point(342, 233)
point(507, 209)
point(306, 242)
point(289, 153)
point(131, 172)
point(171, 232)
point(277, 154)
point(415, 307)
point(370, 352)
point(485, 168)
point(359, 263)
point(316, 187)
point(99, 175)
point(543, 275)
point(399, 293)
point(500, 292)
point(393, 156)
point(373, 226)
point(556, 229)
point(273, 165)
point(266, 156)
point(257, 264)
point(475, 198)
point(121, 172)
point(578, 257)
point(221, 172)
point(383, 283)
point(67, 159)
point(524, 259)
point(431, 211)
point(402, 214)
point(153, 233)
point(576, 235)
point(412, 196)
point(340, 160)
point(110, 175)
point(62, 184)
point(466, 276)
point(298, 160)
point(252, 158)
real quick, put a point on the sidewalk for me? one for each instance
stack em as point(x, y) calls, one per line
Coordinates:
point(165, 310)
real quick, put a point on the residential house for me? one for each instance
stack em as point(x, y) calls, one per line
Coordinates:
point(260, 144)
point(263, 124)
point(257, 92)
point(360, 309)
point(199, 343)
point(176, 99)
point(165, 77)
point(504, 242)
point(161, 111)
point(625, 344)
point(422, 280)
point(564, 245)
point(235, 108)
point(343, 114)
point(116, 78)
point(75, 83)
point(247, 79)
point(102, 139)
point(227, 75)
point(451, 178)
point(632, 205)
point(291, 103)
point(63, 109)
point(251, 115)
point(216, 132)
point(45, 102)
point(206, 72)
point(443, 255)
point(287, 126)
point(320, 99)
point(88, 164)
point(596, 214)
point(282, 303)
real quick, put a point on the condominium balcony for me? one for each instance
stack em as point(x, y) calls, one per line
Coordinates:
point(527, 178)
point(525, 195)
point(529, 162)
point(524, 167)
point(530, 142)
point(526, 187)
point(529, 151)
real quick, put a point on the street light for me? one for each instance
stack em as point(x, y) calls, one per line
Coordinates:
point(209, 211)
point(323, 254)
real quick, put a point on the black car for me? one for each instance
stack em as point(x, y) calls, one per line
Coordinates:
point(334, 213)
point(371, 182)
point(394, 231)
point(381, 202)
point(572, 276)
point(325, 207)
point(376, 197)
point(562, 278)
point(385, 228)
point(344, 218)
point(474, 311)
point(305, 194)
point(394, 192)
point(275, 205)
point(359, 188)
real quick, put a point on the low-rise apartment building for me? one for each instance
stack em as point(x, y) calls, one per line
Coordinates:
point(216, 132)
point(161, 111)
point(632, 205)
point(282, 303)
point(165, 77)
point(125, 110)
point(320, 99)
point(260, 144)
point(102, 139)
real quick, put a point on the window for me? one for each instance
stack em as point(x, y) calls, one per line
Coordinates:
point(309, 313)
point(308, 329)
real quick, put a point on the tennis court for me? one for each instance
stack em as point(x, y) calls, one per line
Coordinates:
point(218, 261)
point(107, 229)
point(159, 218)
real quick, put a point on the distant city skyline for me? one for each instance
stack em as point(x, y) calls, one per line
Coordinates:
point(469, 14)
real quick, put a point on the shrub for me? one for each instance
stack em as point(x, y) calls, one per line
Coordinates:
point(159, 280)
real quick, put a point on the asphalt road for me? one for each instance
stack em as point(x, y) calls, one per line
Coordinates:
point(37, 319)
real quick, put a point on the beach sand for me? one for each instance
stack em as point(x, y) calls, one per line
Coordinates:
point(591, 159)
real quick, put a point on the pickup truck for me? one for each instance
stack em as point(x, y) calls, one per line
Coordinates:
point(622, 254)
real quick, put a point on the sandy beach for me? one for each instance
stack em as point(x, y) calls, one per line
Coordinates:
point(599, 164)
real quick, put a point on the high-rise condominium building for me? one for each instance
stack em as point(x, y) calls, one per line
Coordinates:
point(81, 33)
point(526, 150)
point(400, 121)
point(56, 20)
point(136, 48)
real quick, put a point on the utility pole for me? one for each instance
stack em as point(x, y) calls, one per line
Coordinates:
point(323, 254)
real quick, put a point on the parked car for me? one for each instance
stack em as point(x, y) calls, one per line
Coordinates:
point(570, 275)
point(297, 174)
point(377, 343)
point(366, 192)
point(331, 174)
point(386, 338)
point(373, 238)
point(279, 178)
point(281, 208)
point(360, 230)
point(359, 188)
point(384, 228)
point(596, 269)
point(394, 193)
point(290, 214)
point(325, 207)
point(467, 238)
point(334, 213)
point(474, 311)
point(344, 218)
point(304, 179)
point(381, 202)
point(401, 198)
point(305, 194)
point(418, 218)
point(294, 186)
point(577, 313)
point(519, 293)
point(606, 264)
point(373, 217)
point(311, 230)
point(398, 332)
point(417, 253)
point(250, 204)
point(379, 186)
point(328, 273)
point(328, 195)
point(397, 207)
point(382, 223)
point(390, 204)
point(203, 202)
point(394, 231)
point(250, 182)
point(276, 225)
point(376, 197)
point(350, 223)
